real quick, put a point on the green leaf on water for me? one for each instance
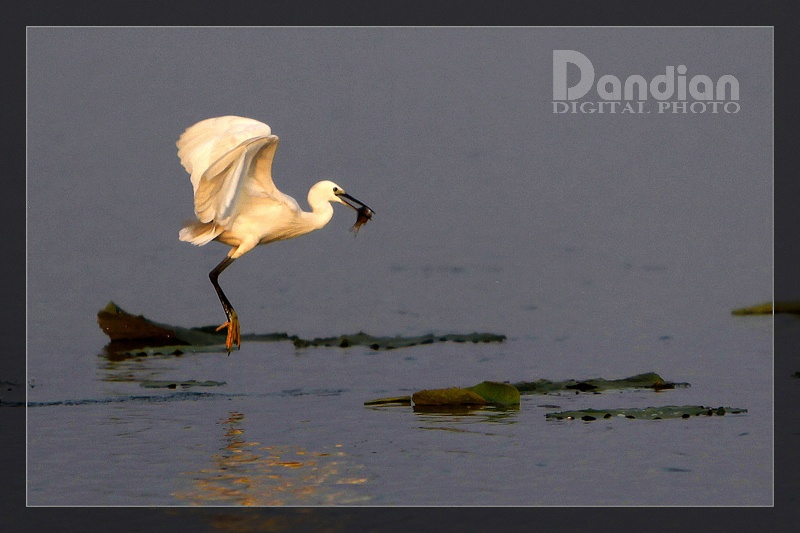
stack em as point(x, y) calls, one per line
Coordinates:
point(486, 393)
point(496, 393)
point(504, 394)
point(400, 400)
point(452, 396)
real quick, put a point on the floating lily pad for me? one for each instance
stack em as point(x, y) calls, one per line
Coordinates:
point(509, 394)
point(648, 380)
point(390, 343)
point(166, 384)
point(485, 393)
point(136, 336)
point(400, 400)
point(497, 393)
point(649, 413)
point(452, 396)
point(121, 325)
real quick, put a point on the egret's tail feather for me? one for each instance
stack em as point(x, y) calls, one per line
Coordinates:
point(200, 233)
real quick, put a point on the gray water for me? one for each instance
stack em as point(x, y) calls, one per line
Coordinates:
point(601, 245)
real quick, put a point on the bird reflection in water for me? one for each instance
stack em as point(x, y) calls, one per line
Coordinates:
point(247, 473)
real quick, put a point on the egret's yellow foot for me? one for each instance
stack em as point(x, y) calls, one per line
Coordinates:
point(234, 334)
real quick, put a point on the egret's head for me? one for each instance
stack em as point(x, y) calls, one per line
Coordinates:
point(329, 191)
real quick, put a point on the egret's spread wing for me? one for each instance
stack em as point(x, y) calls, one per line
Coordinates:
point(227, 180)
point(227, 156)
point(207, 141)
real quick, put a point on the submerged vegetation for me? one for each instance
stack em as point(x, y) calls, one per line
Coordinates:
point(167, 384)
point(648, 380)
point(649, 413)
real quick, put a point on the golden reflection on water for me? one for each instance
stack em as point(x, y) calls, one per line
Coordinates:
point(249, 473)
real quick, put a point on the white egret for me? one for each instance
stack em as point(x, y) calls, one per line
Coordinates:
point(236, 202)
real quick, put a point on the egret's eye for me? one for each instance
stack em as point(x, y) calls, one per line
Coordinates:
point(335, 189)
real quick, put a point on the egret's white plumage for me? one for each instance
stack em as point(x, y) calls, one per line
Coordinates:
point(236, 202)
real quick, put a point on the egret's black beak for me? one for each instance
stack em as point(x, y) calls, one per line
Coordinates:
point(341, 194)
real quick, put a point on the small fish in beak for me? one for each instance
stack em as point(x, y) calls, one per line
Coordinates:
point(364, 215)
point(364, 212)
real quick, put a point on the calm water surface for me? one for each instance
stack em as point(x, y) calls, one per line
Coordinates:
point(289, 427)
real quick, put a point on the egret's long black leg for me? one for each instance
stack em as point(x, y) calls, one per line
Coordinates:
point(234, 334)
